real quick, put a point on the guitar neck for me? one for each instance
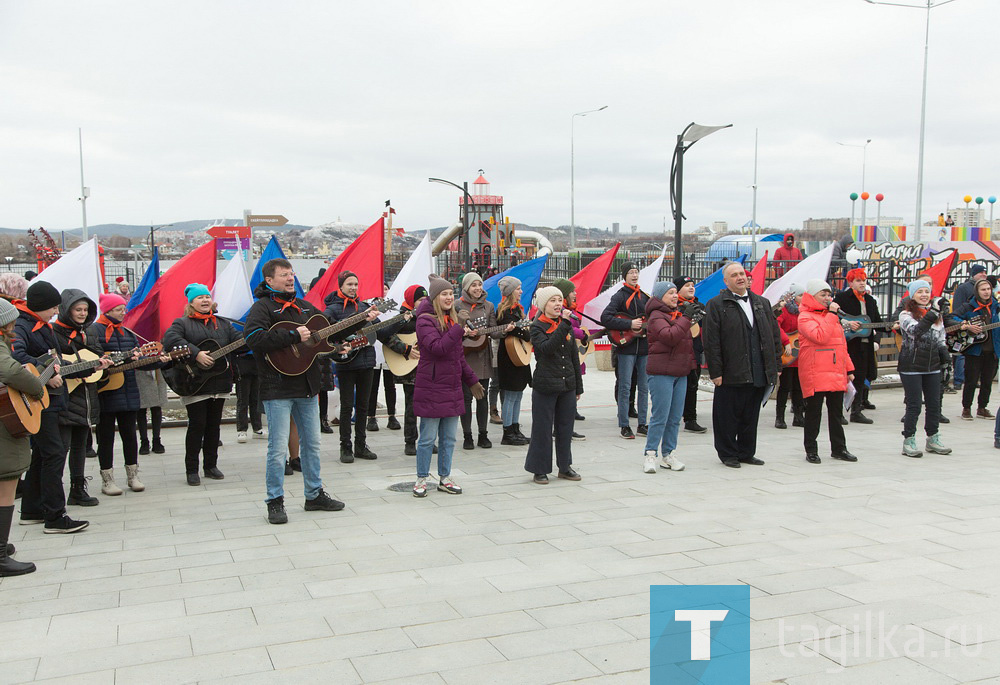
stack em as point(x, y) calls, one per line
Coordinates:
point(223, 351)
point(351, 320)
point(137, 364)
point(367, 330)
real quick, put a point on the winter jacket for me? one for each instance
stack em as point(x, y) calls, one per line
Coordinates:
point(83, 407)
point(481, 315)
point(338, 308)
point(786, 257)
point(838, 258)
point(923, 349)
point(15, 453)
point(970, 310)
point(671, 347)
point(442, 369)
point(125, 398)
point(268, 310)
point(191, 332)
point(633, 304)
point(964, 292)
point(694, 310)
point(823, 359)
point(862, 350)
point(33, 339)
point(788, 323)
point(726, 337)
point(390, 338)
point(557, 358)
point(511, 377)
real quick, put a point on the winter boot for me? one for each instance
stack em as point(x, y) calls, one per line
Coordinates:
point(779, 417)
point(108, 485)
point(78, 494)
point(910, 448)
point(132, 475)
point(934, 446)
point(517, 431)
point(8, 566)
point(798, 419)
point(508, 438)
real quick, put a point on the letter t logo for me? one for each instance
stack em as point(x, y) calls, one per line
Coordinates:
point(701, 629)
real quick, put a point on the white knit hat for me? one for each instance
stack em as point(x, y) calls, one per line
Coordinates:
point(543, 295)
point(817, 285)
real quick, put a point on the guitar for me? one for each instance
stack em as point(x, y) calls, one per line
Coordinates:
point(518, 350)
point(296, 359)
point(85, 359)
point(963, 340)
point(22, 414)
point(188, 378)
point(586, 347)
point(482, 340)
point(793, 340)
point(866, 325)
point(364, 338)
point(116, 378)
point(621, 338)
point(396, 362)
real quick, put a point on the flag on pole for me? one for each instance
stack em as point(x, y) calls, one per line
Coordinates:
point(529, 273)
point(146, 284)
point(272, 251)
point(813, 266)
point(590, 279)
point(758, 276)
point(647, 278)
point(939, 273)
point(165, 300)
point(232, 290)
point(79, 268)
point(415, 271)
point(364, 257)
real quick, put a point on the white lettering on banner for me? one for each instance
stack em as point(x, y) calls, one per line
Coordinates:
point(701, 629)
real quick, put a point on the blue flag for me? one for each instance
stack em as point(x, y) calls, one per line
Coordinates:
point(272, 251)
point(713, 283)
point(146, 284)
point(529, 273)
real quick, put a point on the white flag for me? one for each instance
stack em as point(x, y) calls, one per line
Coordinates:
point(414, 272)
point(814, 266)
point(647, 278)
point(232, 290)
point(79, 268)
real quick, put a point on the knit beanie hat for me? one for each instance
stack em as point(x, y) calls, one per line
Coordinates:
point(414, 293)
point(109, 301)
point(8, 312)
point(913, 286)
point(976, 269)
point(470, 278)
point(565, 286)
point(683, 281)
point(343, 276)
point(194, 290)
point(437, 286)
point(626, 267)
point(817, 285)
point(43, 295)
point(660, 288)
point(543, 295)
point(797, 290)
point(508, 284)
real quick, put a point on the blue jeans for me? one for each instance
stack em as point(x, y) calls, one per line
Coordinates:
point(510, 409)
point(443, 430)
point(305, 411)
point(668, 393)
point(627, 362)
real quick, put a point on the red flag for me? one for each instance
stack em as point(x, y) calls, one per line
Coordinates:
point(166, 301)
point(365, 257)
point(590, 279)
point(758, 276)
point(940, 273)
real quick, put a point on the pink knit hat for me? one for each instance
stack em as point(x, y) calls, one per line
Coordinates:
point(109, 301)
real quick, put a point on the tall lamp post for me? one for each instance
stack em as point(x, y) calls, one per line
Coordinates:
point(84, 190)
point(152, 231)
point(688, 137)
point(572, 172)
point(864, 163)
point(927, 5)
point(465, 216)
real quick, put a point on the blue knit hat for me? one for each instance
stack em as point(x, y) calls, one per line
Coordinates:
point(660, 288)
point(194, 290)
point(913, 286)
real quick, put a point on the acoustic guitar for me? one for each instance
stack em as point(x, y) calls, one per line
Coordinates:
point(356, 342)
point(794, 342)
point(396, 362)
point(116, 378)
point(866, 325)
point(188, 378)
point(482, 340)
point(622, 338)
point(586, 347)
point(518, 350)
point(21, 414)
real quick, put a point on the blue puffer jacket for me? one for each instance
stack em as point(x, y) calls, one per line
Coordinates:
point(125, 398)
point(338, 308)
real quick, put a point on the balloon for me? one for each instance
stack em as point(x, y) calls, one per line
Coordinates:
point(880, 197)
point(865, 195)
point(854, 196)
point(967, 198)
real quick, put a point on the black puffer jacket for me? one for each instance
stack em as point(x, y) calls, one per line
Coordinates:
point(725, 335)
point(339, 308)
point(264, 313)
point(635, 309)
point(83, 408)
point(192, 332)
point(557, 359)
point(32, 341)
point(923, 349)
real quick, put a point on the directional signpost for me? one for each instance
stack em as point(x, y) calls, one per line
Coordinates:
point(265, 220)
point(231, 238)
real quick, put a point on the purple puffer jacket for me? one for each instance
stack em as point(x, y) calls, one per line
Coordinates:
point(442, 369)
point(671, 347)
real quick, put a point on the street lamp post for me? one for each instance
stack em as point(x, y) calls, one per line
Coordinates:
point(928, 5)
point(465, 216)
point(84, 190)
point(572, 173)
point(690, 135)
point(152, 231)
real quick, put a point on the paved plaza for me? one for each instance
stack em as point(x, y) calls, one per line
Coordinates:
point(883, 571)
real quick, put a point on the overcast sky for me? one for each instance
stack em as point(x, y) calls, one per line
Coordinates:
point(324, 109)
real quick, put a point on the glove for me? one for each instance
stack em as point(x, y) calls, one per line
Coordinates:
point(463, 316)
point(477, 391)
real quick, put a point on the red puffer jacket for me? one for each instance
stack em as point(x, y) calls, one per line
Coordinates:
point(823, 359)
point(671, 347)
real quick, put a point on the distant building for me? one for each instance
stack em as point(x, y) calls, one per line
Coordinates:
point(635, 229)
point(614, 229)
point(839, 226)
point(720, 227)
point(968, 217)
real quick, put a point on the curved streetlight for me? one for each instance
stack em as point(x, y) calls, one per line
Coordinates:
point(465, 215)
point(572, 172)
point(928, 5)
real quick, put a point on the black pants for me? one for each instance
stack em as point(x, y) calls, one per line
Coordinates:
point(788, 384)
point(548, 412)
point(204, 424)
point(735, 410)
point(43, 495)
point(979, 369)
point(74, 439)
point(355, 389)
point(390, 392)
point(248, 402)
point(106, 438)
point(814, 415)
point(482, 409)
point(409, 418)
point(142, 418)
point(917, 389)
point(691, 399)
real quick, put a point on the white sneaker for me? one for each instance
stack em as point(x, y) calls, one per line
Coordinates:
point(669, 461)
point(260, 435)
point(649, 462)
point(420, 487)
point(241, 436)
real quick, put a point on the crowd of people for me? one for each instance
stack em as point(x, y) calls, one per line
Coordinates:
point(816, 347)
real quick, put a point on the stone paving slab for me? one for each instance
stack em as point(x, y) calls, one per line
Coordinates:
point(514, 582)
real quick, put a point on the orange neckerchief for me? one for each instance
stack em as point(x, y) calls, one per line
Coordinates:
point(984, 305)
point(288, 303)
point(519, 308)
point(552, 323)
point(860, 296)
point(635, 292)
point(472, 305)
point(923, 311)
point(685, 300)
point(207, 318)
point(347, 299)
point(674, 314)
point(447, 321)
point(39, 323)
point(74, 330)
point(111, 327)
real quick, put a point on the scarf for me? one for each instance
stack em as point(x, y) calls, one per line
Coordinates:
point(39, 323)
point(473, 303)
point(860, 296)
point(207, 318)
point(110, 327)
point(74, 330)
point(635, 292)
point(552, 323)
point(986, 306)
point(346, 300)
